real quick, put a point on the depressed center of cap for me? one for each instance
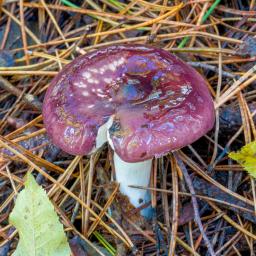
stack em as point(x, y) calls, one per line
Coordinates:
point(157, 103)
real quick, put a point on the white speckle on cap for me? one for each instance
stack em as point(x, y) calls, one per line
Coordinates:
point(102, 70)
point(170, 92)
point(112, 67)
point(186, 88)
point(156, 108)
point(85, 93)
point(86, 75)
point(101, 95)
point(107, 80)
point(94, 70)
point(173, 102)
point(180, 99)
point(100, 90)
point(80, 84)
point(93, 81)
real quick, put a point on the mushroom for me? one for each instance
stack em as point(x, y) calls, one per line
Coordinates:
point(143, 101)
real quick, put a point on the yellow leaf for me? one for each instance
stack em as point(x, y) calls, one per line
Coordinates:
point(246, 157)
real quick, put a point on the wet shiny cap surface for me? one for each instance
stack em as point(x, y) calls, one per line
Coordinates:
point(158, 102)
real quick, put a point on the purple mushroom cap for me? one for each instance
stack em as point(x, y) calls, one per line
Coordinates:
point(158, 103)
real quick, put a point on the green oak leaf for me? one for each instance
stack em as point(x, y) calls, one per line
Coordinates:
point(246, 157)
point(40, 231)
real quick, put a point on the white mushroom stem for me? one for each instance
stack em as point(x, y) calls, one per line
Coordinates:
point(135, 174)
point(128, 174)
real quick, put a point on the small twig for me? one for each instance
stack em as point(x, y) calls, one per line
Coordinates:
point(160, 243)
point(27, 97)
point(212, 68)
point(89, 192)
point(195, 204)
point(175, 211)
point(11, 180)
